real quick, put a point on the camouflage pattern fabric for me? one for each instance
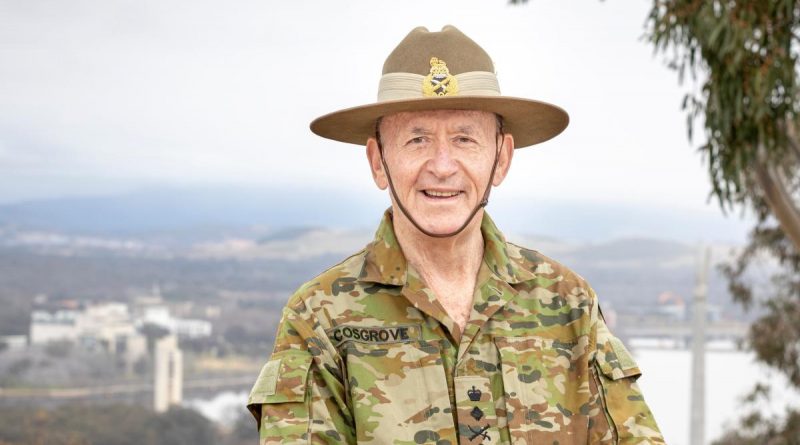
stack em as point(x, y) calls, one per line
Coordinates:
point(366, 354)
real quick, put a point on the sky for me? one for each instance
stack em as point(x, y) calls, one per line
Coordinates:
point(107, 96)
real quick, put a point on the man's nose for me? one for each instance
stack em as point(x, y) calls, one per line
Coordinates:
point(443, 163)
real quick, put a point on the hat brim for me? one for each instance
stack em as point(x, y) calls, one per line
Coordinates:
point(529, 121)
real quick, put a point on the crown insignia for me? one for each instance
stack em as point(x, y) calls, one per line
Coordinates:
point(474, 394)
point(439, 82)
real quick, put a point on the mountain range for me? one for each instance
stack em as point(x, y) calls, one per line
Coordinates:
point(275, 209)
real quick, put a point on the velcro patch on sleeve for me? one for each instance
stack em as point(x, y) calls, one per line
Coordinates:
point(268, 378)
point(624, 357)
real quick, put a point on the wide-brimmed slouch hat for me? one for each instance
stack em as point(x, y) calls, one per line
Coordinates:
point(443, 70)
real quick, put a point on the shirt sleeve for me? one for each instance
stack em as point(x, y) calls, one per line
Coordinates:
point(615, 372)
point(299, 396)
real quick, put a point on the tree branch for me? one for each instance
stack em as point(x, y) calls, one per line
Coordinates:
point(794, 142)
point(779, 198)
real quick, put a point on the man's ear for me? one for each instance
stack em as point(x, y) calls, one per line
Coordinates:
point(375, 164)
point(503, 159)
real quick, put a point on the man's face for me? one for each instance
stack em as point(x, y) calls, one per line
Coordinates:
point(440, 163)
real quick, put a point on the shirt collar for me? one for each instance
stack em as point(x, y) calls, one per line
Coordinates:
point(385, 263)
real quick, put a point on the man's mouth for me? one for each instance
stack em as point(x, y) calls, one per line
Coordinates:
point(441, 194)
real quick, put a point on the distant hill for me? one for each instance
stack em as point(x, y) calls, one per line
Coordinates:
point(205, 244)
point(166, 209)
point(175, 212)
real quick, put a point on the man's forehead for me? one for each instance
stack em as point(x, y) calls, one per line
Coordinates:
point(424, 119)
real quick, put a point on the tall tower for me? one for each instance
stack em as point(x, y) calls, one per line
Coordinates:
point(167, 374)
point(698, 407)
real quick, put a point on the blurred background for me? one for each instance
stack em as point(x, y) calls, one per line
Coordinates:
point(161, 196)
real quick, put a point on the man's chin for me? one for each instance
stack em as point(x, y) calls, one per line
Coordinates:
point(436, 222)
point(444, 227)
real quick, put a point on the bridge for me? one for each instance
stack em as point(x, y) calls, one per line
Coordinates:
point(681, 331)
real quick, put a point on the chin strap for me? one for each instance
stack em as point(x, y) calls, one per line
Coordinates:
point(482, 204)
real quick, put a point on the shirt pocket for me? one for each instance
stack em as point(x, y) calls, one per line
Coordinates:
point(278, 399)
point(400, 391)
point(546, 388)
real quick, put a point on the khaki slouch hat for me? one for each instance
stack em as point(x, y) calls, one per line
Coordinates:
point(443, 70)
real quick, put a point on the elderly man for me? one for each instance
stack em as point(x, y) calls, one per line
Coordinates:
point(440, 331)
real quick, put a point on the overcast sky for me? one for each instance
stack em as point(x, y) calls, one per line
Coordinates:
point(108, 96)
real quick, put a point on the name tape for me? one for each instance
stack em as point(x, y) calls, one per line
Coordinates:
point(375, 335)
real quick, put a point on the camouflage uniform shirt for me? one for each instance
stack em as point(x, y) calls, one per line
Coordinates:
point(365, 354)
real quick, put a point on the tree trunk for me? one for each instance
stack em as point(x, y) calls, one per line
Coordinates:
point(777, 194)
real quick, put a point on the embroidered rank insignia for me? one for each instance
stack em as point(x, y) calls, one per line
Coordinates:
point(439, 82)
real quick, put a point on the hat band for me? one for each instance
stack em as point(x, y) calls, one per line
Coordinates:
point(399, 86)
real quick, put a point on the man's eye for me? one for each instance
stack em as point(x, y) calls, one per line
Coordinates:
point(416, 140)
point(464, 140)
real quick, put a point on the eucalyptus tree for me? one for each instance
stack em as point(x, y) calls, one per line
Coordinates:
point(743, 55)
point(746, 53)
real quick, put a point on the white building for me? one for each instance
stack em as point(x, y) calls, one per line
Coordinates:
point(158, 314)
point(111, 325)
point(108, 326)
point(14, 342)
point(192, 328)
point(47, 326)
point(104, 324)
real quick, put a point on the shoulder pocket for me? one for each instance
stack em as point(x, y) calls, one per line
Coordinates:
point(615, 361)
point(626, 411)
point(278, 398)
